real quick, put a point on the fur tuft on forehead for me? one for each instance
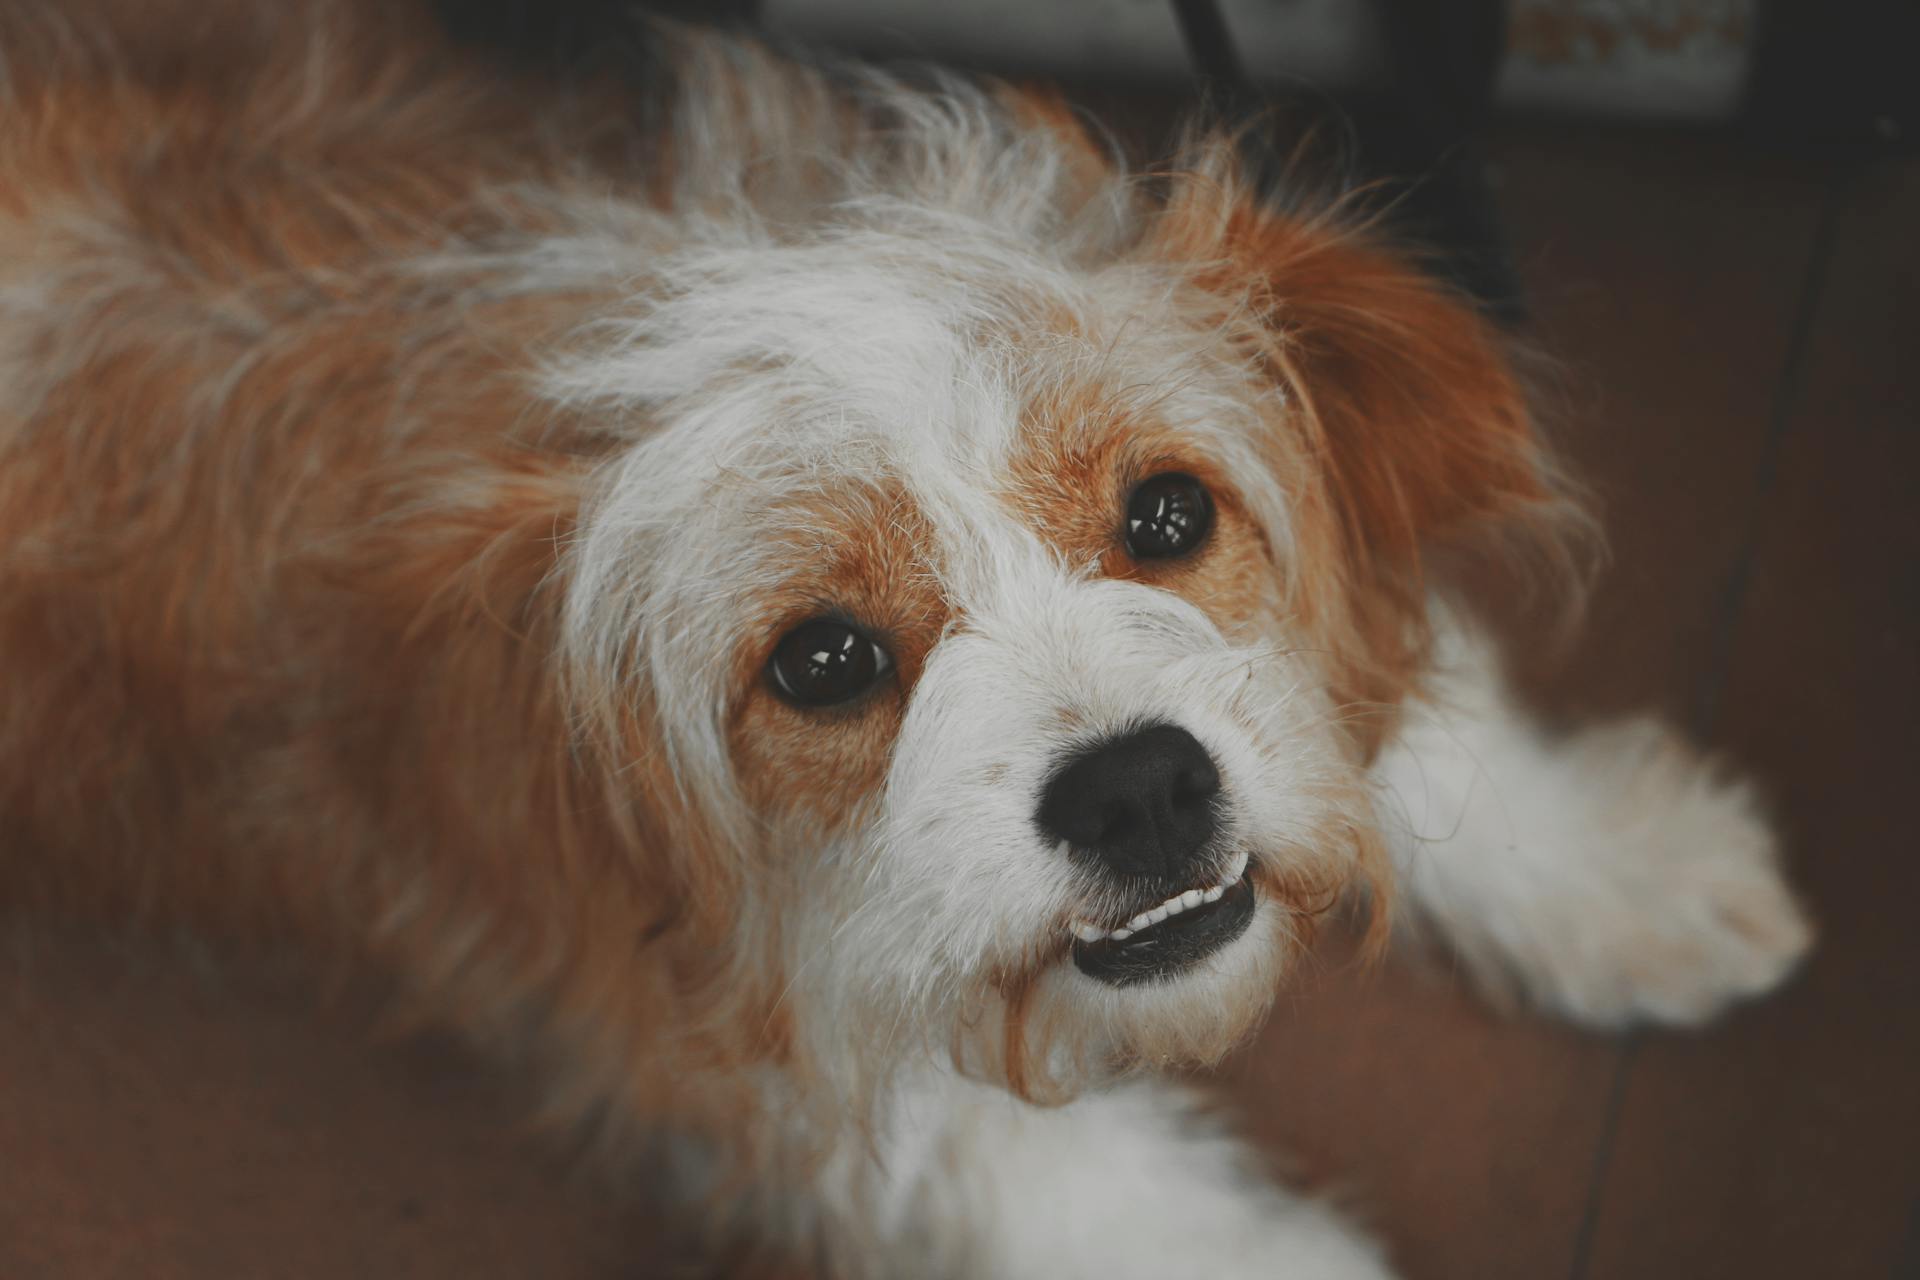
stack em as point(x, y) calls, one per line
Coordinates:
point(944, 272)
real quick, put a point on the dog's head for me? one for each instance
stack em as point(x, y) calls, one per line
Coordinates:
point(1013, 566)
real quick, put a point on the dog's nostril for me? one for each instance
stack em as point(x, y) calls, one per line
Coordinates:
point(1197, 783)
point(1114, 825)
point(1140, 805)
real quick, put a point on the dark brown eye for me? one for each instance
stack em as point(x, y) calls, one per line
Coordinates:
point(1168, 515)
point(826, 661)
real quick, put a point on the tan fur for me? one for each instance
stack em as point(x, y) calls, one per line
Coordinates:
point(1404, 430)
point(861, 556)
point(277, 606)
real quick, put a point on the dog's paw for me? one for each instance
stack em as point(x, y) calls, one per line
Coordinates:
point(1136, 1182)
point(1658, 896)
point(1614, 877)
point(1293, 1240)
point(1312, 1242)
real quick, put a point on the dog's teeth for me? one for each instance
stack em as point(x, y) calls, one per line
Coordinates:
point(1179, 902)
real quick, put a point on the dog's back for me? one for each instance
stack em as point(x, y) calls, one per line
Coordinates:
point(268, 469)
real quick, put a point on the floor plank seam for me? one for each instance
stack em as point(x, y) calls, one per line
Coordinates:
point(1703, 720)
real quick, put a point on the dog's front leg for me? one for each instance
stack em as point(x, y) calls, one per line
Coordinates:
point(967, 1181)
point(1611, 874)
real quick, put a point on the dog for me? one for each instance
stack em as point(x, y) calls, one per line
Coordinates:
point(821, 610)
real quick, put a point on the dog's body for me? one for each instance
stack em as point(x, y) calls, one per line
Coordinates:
point(414, 484)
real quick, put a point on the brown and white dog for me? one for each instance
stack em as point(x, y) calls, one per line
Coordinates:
point(829, 614)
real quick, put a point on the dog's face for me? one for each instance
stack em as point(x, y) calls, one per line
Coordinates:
point(1015, 612)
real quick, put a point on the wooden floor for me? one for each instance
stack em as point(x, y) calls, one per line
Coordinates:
point(1740, 338)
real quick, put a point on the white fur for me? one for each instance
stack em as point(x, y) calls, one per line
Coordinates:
point(1610, 874)
point(1137, 1181)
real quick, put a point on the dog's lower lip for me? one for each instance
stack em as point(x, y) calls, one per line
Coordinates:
point(1171, 947)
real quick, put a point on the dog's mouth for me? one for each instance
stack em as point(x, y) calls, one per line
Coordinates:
point(1166, 940)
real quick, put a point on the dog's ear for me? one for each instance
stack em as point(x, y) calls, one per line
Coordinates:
point(1400, 430)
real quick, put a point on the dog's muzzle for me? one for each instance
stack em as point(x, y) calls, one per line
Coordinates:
point(1142, 811)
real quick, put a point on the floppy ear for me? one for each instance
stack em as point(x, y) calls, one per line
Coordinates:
point(1400, 430)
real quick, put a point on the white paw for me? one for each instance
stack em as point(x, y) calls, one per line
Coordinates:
point(1637, 884)
point(1291, 1240)
point(1314, 1244)
point(1132, 1182)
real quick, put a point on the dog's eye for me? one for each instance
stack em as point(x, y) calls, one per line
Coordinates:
point(826, 661)
point(1168, 515)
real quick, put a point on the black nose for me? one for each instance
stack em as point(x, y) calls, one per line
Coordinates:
point(1141, 805)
